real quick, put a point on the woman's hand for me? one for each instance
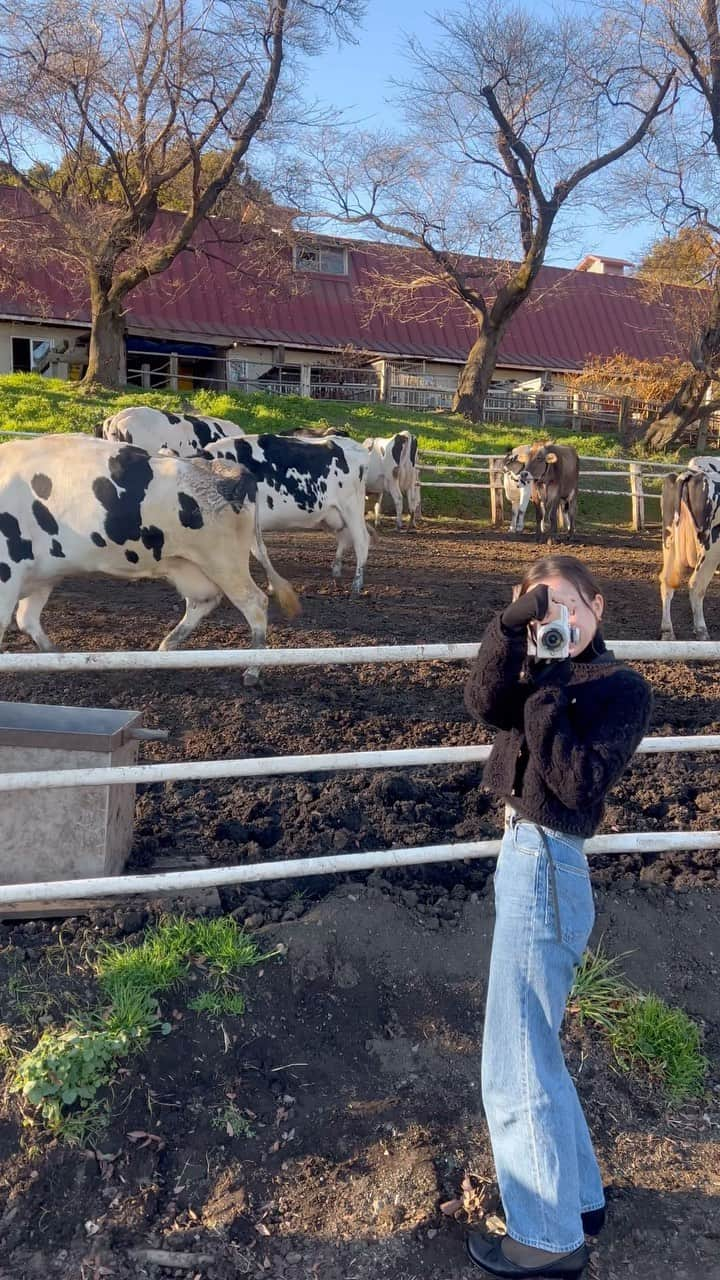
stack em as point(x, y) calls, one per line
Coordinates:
point(530, 607)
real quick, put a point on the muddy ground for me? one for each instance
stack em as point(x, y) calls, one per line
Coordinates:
point(380, 994)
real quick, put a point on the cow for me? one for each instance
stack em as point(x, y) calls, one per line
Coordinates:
point(308, 484)
point(155, 429)
point(691, 539)
point(517, 485)
point(393, 469)
point(553, 470)
point(314, 433)
point(74, 505)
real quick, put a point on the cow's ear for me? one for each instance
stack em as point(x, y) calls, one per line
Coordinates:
point(551, 456)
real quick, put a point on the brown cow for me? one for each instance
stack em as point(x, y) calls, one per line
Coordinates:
point(691, 539)
point(554, 470)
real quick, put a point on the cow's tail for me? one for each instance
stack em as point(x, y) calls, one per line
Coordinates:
point(284, 593)
point(685, 541)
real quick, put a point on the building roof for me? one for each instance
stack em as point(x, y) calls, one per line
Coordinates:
point(208, 294)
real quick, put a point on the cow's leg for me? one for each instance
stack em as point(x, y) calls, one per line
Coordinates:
point(8, 600)
point(549, 523)
point(539, 520)
point(344, 543)
point(378, 509)
point(396, 494)
point(571, 515)
point(201, 597)
point(667, 574)
point(252, 603)
point(413, 500)
point(28, 613)
point(698, 585)
point(355, 534)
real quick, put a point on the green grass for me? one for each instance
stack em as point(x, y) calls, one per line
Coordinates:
point(646, 1034)
point(598, 991)
point(664, 1041)
point(64, 1071)
point(29, 402)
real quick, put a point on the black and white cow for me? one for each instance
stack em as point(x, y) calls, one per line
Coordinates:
point(691, 539)
point(74, 505)
point(308, 484)
point(393, 469)
point(155, 429)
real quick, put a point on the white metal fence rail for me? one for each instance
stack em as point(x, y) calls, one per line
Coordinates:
point(44, 894)
point(351, 655)
point(49, 892)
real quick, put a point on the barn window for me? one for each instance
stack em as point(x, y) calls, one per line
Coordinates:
point(323, 259)
point(31, 355)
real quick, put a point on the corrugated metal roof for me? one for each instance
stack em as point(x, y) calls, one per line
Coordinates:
point(210, 292)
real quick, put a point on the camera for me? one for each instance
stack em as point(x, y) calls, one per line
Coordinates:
point(553, 639)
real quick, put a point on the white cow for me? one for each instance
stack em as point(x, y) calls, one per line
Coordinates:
point(394, 470)
point(74, 505)
point(155, 429)
point(517, 485)
point(308, 484)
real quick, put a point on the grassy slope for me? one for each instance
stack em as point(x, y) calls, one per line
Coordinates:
point(29, 402)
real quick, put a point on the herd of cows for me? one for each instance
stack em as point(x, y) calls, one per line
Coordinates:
point(161, 495)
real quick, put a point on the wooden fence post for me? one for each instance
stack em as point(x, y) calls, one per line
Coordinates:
point(496, 491)
point(638, 496)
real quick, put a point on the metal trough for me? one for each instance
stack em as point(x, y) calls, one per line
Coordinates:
point(48, 834)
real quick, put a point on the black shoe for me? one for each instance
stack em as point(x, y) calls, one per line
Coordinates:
point(593, 1220)
point(488, 1254)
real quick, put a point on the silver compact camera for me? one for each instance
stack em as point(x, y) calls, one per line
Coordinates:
point(553, 639)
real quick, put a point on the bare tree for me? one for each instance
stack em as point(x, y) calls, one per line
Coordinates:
point(510, 116)
point(127, 98)
point(681, 182)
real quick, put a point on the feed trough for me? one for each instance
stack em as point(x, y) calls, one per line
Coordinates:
point(67, 834)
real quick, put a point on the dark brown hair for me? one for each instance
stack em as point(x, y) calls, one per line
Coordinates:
point(567, 567)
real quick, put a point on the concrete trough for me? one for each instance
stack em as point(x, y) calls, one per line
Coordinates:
point(74, 833)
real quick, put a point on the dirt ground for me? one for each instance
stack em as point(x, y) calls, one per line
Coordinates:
point(377, 1005)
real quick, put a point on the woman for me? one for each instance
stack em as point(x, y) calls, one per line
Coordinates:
point(568, 728)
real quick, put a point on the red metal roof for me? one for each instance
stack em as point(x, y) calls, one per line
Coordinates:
point(209, 293)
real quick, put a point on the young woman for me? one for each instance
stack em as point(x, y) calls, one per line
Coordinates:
point(567, 729)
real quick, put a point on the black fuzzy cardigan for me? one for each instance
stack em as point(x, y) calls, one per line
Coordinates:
point(567, 729)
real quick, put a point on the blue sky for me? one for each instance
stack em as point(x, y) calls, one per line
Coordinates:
point(356, 78)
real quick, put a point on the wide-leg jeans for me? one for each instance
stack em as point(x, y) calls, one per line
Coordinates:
point(546, 1167)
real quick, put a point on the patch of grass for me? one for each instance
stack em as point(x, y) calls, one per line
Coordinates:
point(598, 992)
point(219, 1002)
point(644, 1032)
point(666, 1042)
point(68, 1066)
point(233, 1123)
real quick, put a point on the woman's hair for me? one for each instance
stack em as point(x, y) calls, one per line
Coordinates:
point(562, 567)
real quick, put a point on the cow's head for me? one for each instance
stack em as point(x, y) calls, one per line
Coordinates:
point(541, 464)
point(515, 464)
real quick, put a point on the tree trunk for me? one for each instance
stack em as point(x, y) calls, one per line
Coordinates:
point(476, 374)
point(106, 358)
point(671, 424)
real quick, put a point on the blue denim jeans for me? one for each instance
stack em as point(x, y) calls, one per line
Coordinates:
point(545, 1163)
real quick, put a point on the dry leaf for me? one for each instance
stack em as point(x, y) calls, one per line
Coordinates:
point(451, 1207)
point(261, 1229)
